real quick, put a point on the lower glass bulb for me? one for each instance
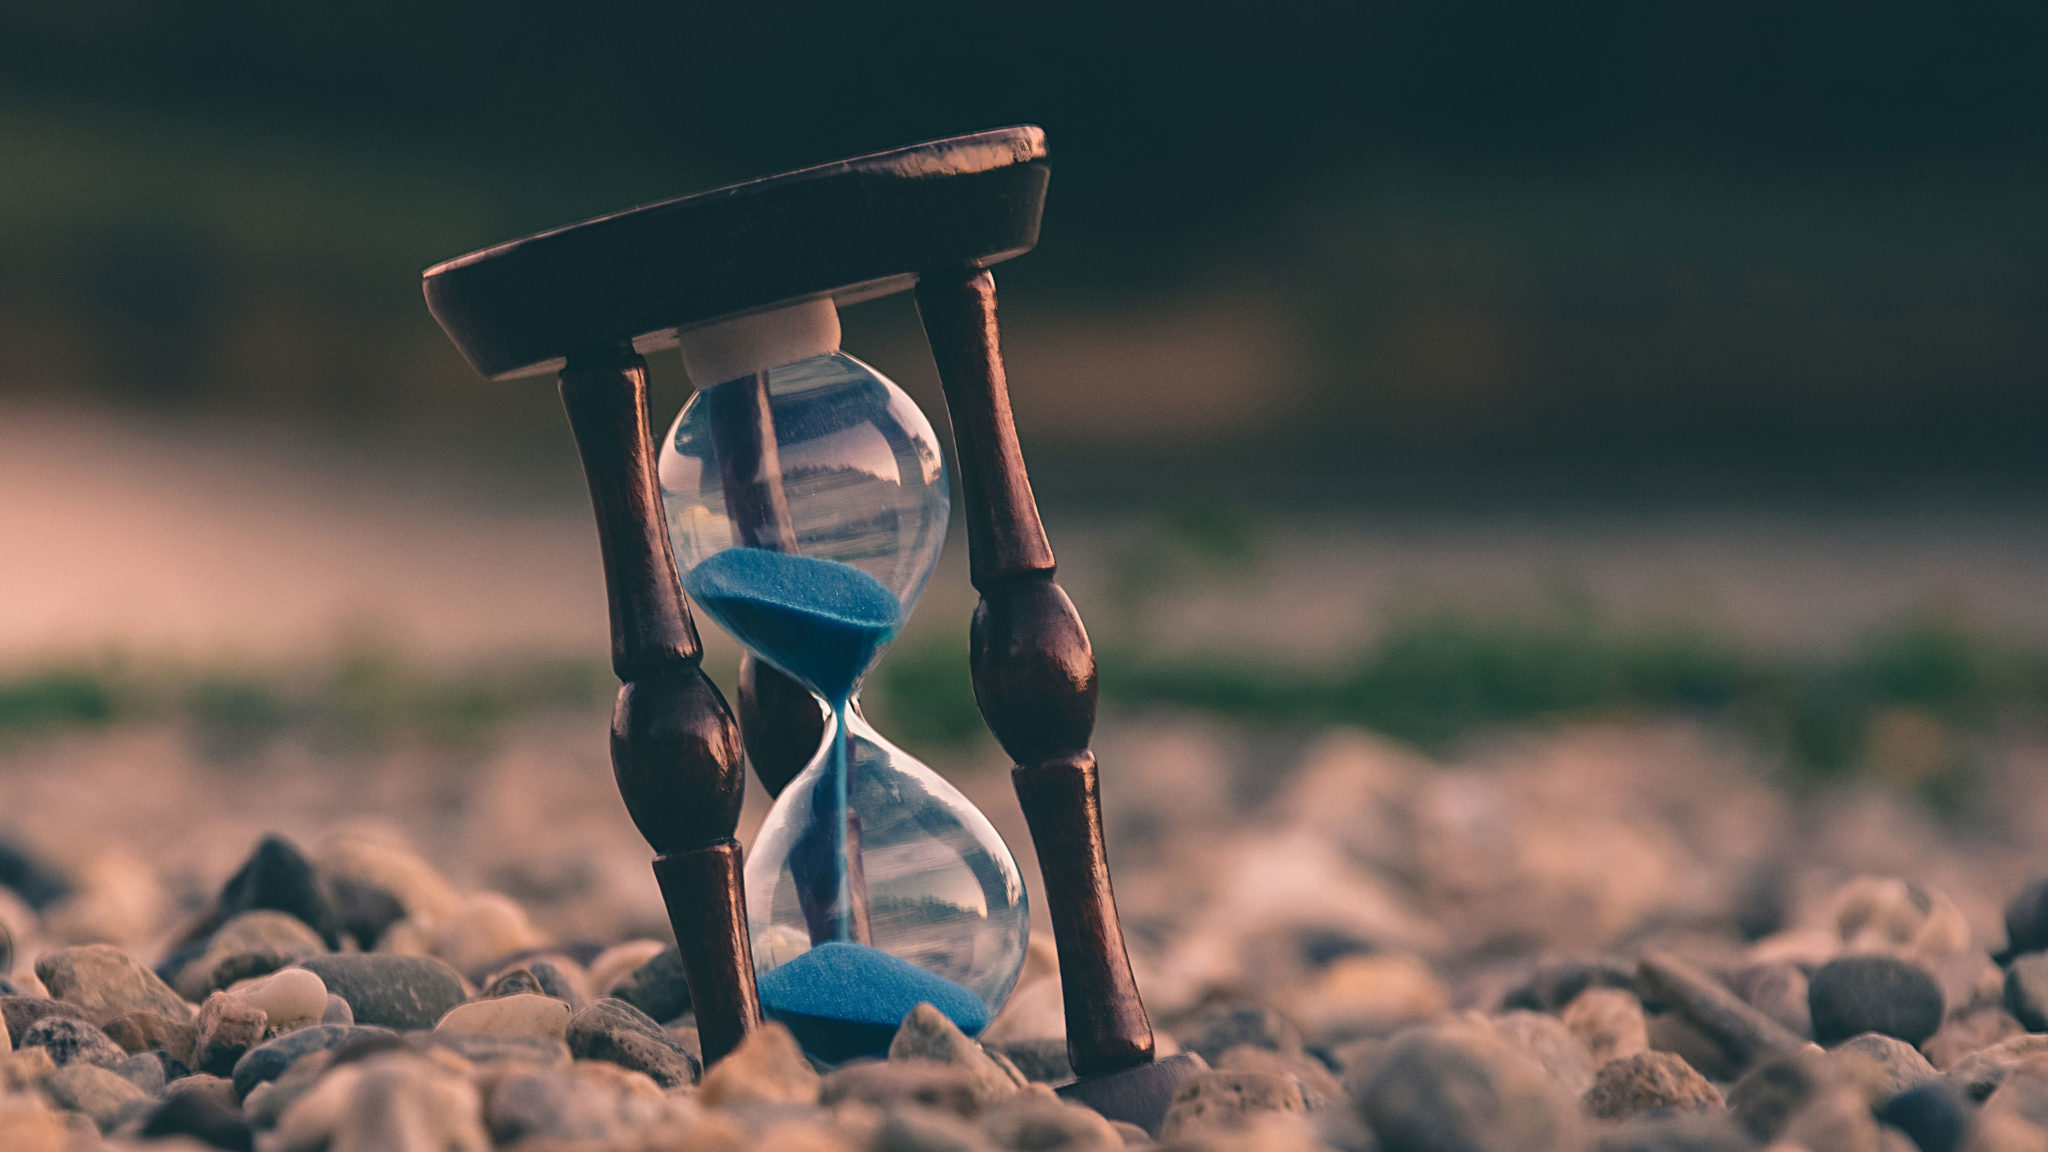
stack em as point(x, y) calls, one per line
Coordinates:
point(875, 886)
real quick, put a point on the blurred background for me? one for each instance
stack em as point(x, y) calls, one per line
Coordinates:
point(1452, 371)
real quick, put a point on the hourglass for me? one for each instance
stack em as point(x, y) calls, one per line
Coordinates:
point(804, 506)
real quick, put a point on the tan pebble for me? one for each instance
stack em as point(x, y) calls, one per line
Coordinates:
point(23, 1070)
point(1610, 1023)
point(380, 857)
point(488, 927)
point(29, 1125)
point(767, 1068)
point(619, 961)
point(526, 1014)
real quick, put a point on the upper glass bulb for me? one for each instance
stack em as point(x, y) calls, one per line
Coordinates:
point(805, 495)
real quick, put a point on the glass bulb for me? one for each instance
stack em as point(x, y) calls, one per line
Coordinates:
point(853, 478)
point(910, 898)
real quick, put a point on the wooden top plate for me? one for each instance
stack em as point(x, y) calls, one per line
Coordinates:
point(852, 230)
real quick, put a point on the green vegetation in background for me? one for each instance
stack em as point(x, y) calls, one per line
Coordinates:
point(1899, 705)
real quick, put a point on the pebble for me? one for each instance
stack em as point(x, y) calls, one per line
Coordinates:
point(1887, 914)
point(530, 1053)
point(484, 930)
point(619, 961)
point(2026, 990)
point(227, 1028)
point(561, 978)
point(92, 1091)
point(1035, 1120)
point(895, 1084)
point(1556, 983)
point(1933, 1114)
point(615, 1031)
point(1609, 1022)
point(514, 982)
point(70, 1041)
point(399, 1103)
point(767, 1067)
point(524, 1014)
point(927, 1130)
point(1546, 1040)
point(926, 1034)
point(1217, 1027)
point(203, 1118)
point(6, 1038)
point(35, 880)
point(337, 1011)
point(1858, 994)
point(2015, 1116)
point(1800, 1098)
point(381, 861)
point(562, 1106)
point(269, 1060)
point(1043, 1060)
point(1229, 1100)
point(1371, 993)
point(279, 878)
point(1682, 1132)
point(1881, 1066)
point(289, 998)
point(1455, 1088)
point(18, 1013)
point(107, 982)
point(1779, 991)
point(2026, 920)
point(390, 991)
point(250, 944)
point(1645, 1082)
point(145, 1070)
point(363, 912)
point(657, 987)
point(142, 1031)
point(1980, 1073)
point(1967, 1032)
point(1318, 1086)
point(24, 1068)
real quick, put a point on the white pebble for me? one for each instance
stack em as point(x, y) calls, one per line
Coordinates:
point(290, 997)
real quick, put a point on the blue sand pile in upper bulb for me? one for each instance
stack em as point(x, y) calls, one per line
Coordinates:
point(844, 1000)
point(821, 621)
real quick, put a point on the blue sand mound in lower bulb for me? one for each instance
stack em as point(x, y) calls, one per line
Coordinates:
point(844, 1000)
point(821, 621)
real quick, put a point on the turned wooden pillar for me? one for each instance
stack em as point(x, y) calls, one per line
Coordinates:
point(1034, 676)
point(675, 748)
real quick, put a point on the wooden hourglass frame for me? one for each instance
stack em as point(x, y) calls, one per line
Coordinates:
point(586, 301)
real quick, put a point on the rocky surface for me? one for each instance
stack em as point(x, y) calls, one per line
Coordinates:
point(1595, 939)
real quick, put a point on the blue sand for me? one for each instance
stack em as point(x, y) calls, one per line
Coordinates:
point(821, 621)
point(845, 1000)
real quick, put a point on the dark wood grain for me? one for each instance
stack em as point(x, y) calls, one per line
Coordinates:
point(851, 230)
point(706, 897)
point(1034, 676)
point(675, 748)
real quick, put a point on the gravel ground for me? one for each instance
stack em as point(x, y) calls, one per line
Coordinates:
point(1612, 935)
